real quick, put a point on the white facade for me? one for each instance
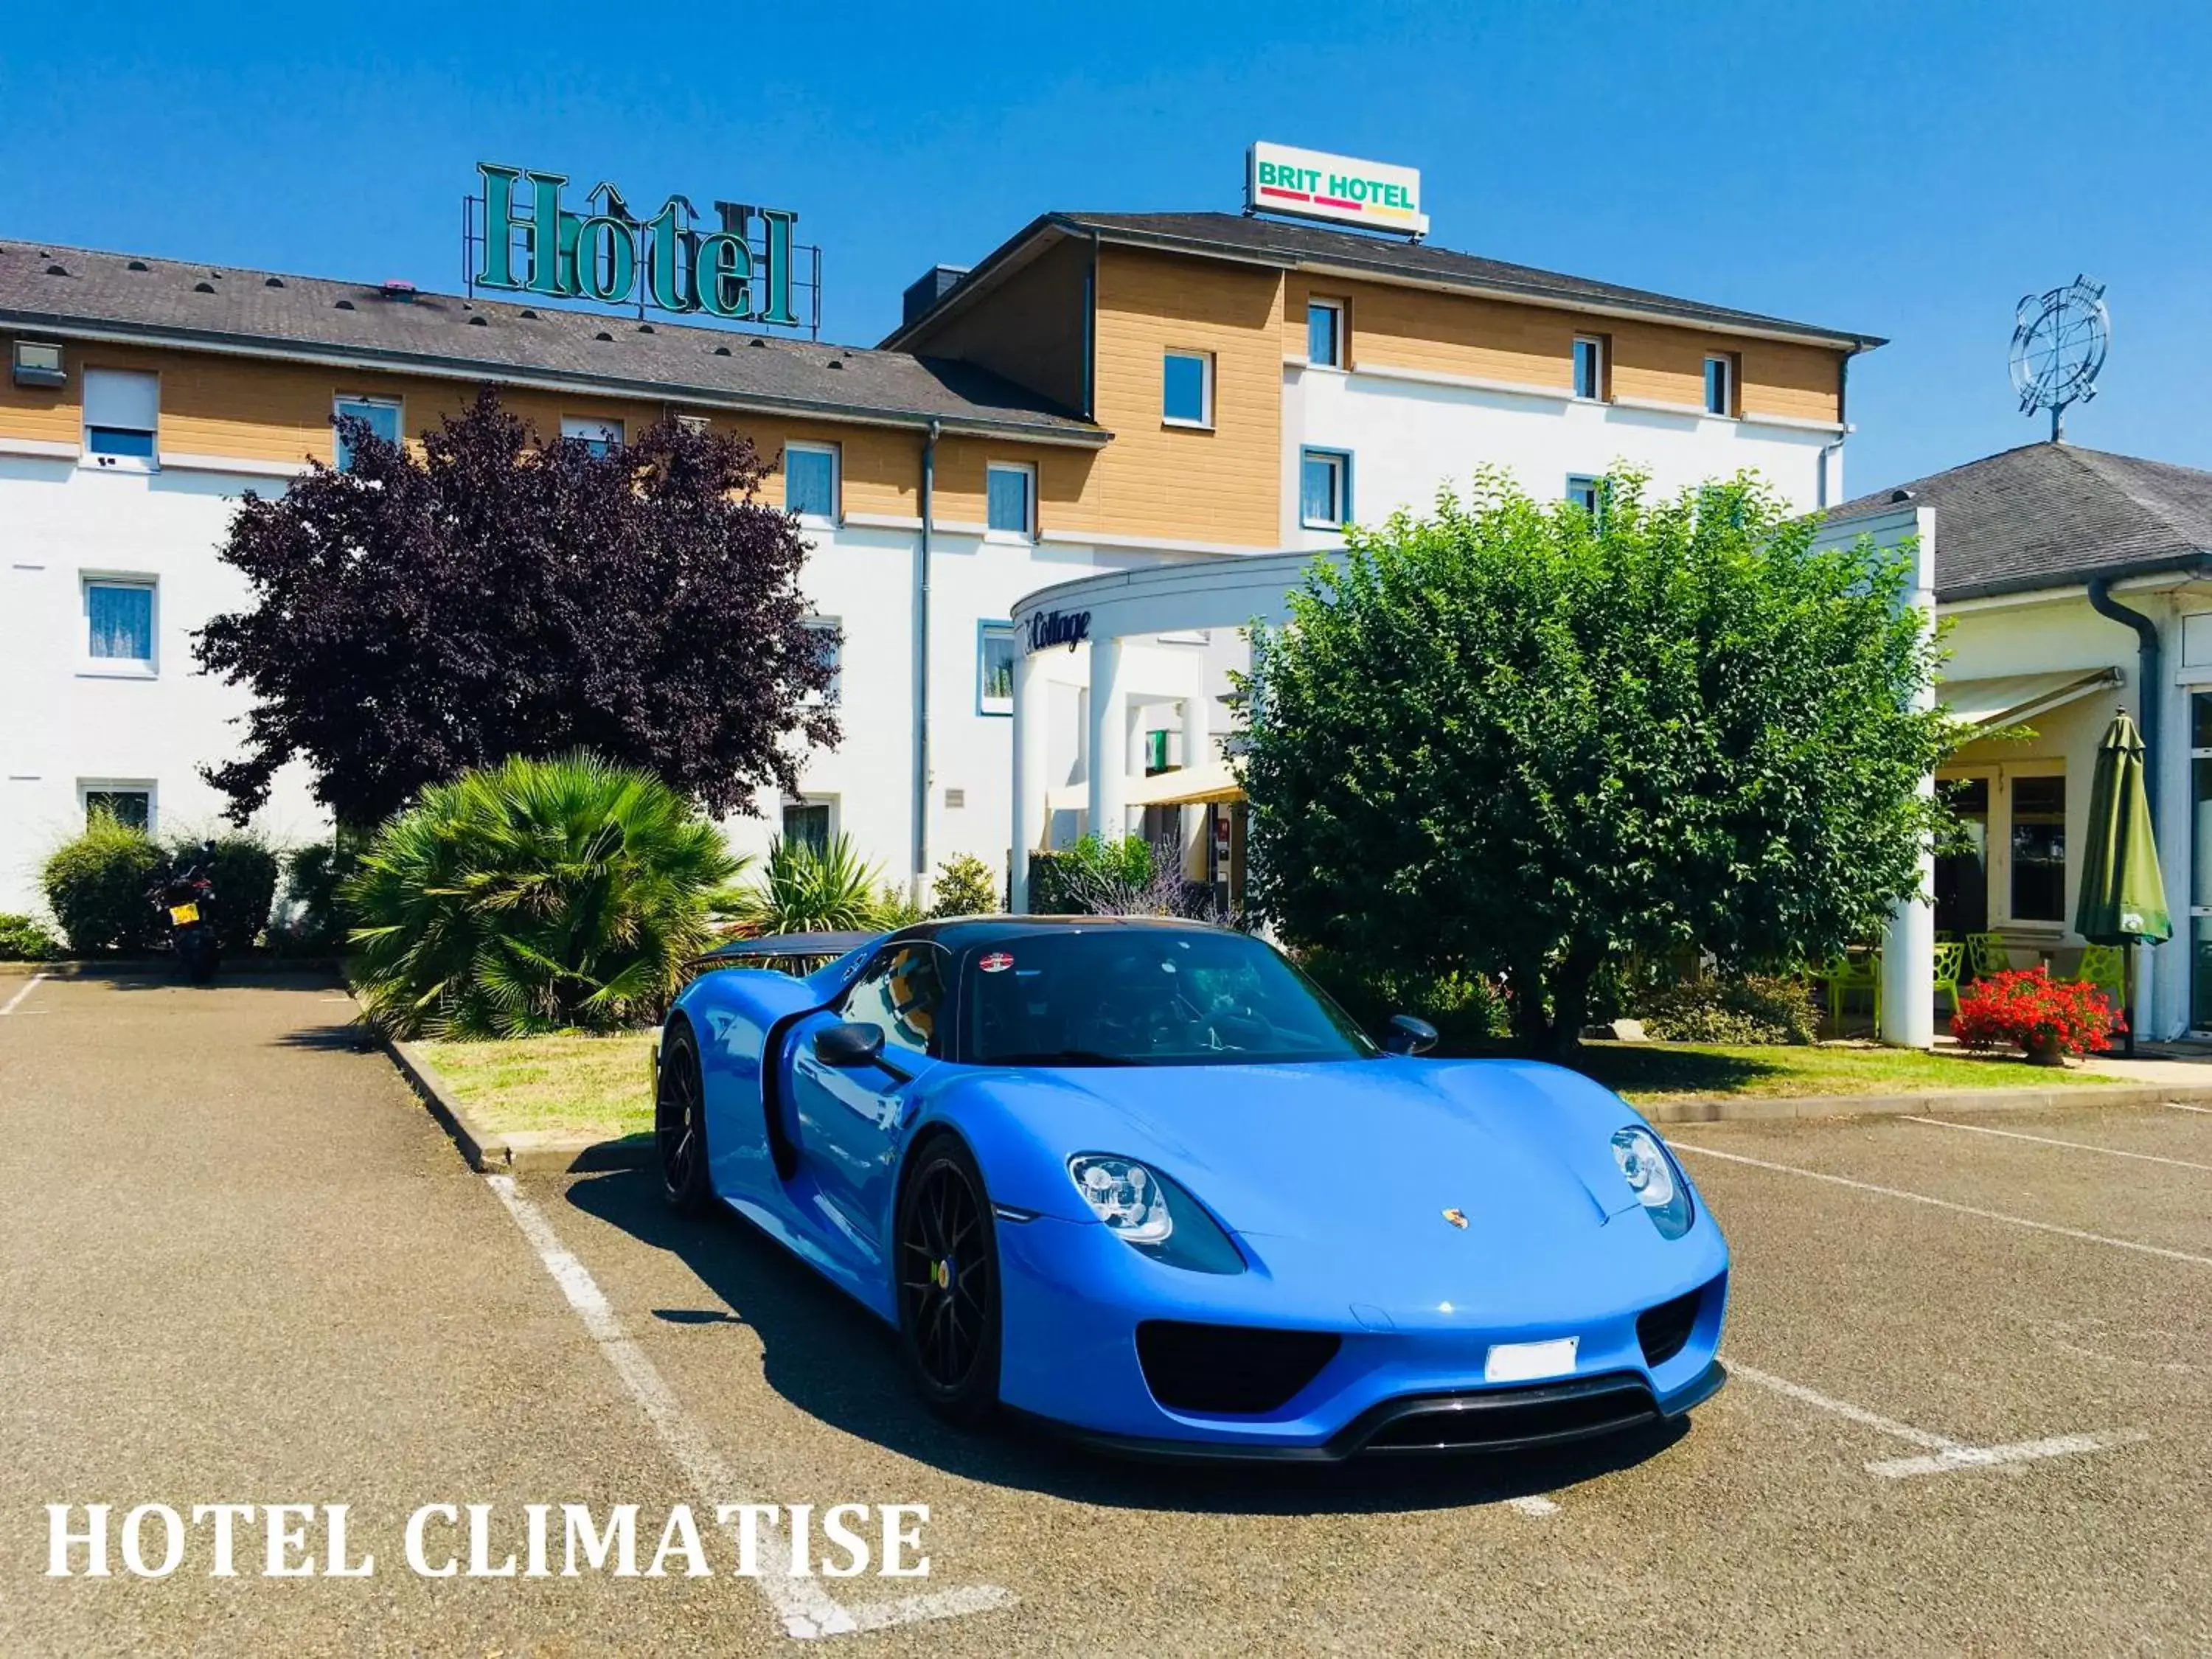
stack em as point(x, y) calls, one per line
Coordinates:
point(71, 722)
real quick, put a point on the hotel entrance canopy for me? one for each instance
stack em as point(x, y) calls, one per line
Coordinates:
point(2006, 700)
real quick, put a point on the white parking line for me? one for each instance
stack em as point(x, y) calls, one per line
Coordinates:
point(20, 996)
point(1946, 1204)
point(2047, 1141)
point(805, 1608)
point(1944, 1453)
point(2183, 1106)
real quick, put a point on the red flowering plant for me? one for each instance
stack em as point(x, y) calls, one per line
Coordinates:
point(2026, 1008)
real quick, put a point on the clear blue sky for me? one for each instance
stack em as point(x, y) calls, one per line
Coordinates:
point(1902, 170)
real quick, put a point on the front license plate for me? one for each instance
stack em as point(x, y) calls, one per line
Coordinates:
point(183, 914)
point(1525, 1361)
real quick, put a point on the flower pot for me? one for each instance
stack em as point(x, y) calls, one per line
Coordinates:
point(2046, 1051)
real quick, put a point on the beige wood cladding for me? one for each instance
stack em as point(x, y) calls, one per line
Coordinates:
point(1178, 482)
point(1532, 345)
point(1028, 328)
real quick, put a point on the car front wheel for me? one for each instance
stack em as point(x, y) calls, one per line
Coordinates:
point(679, 1124)
point(948, 1283)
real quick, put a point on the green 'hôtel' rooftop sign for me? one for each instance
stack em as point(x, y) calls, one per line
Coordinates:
point(532, 243)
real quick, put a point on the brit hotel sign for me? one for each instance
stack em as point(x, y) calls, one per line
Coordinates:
point(533, 243)
point(1342, 189)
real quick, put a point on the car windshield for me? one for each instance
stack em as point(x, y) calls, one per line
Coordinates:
point(1145, 996)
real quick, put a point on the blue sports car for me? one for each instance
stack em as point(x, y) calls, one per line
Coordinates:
point(1144, 1179)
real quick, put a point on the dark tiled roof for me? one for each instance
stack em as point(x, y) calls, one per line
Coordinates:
point(2052, 515)
point(1234, 235)
point(164, 301)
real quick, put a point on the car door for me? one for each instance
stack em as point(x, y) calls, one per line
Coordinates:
point(849, 1117)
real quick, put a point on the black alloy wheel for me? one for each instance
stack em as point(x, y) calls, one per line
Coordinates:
point(948, 1283)
point(679, 1124)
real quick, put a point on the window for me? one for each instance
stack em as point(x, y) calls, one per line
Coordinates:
point(1720, 385)
point(828, 648)
point(2039, 848)
point(696, 423)
point(1325, 333)
point(1187, 388)
point(1324, 489)
point(595, 435)
point(382, 415)
point(901, 994)
point(119, 617)
point(1962, 870)
point(1010, 493)
point(807, 823)
point(122, 414)
point(129, 805)
point(1587, 493)
point(1590, 367)
point(994, 668)
point(810, 481)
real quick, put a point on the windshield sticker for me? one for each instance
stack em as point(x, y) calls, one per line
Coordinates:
point(997, 963)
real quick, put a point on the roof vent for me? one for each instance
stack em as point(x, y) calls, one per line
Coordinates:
point(136, 264)
point(343, 305)
point(392, 289)
point(478, 321)
point(721, 351)
point(836, 362)
point(925, 290)
point(198, 288)
point(272, 282)
point(56, 270)
point(644, 328)
point(527, 312)
point(756, 341)
point(603, 335)
point(1900, 495)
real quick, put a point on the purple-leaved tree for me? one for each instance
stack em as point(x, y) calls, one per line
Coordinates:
point(415, 616)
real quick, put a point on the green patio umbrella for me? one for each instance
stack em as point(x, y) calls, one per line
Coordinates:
point(2123, 898)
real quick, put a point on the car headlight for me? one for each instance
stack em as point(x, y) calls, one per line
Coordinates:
point(1652, 1175)
point(1150, 1213)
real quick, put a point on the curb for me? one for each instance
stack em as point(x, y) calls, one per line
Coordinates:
point(1755, 1108)
point(100, 968)
point(523, 1151)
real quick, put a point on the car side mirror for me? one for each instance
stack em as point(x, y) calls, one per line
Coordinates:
point(848, 1044)
point(1410, 1035)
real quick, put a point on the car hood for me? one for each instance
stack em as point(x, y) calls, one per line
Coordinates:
point(1365, 1154)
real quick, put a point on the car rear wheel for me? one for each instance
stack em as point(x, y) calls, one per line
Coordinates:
point(948, 1283)
point(679, 1124)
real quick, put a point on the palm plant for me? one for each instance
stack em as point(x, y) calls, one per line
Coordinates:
point(534, 896)
point(809, 887)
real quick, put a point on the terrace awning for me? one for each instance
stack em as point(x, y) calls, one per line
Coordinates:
point(2008, 699)
point(1185, 786)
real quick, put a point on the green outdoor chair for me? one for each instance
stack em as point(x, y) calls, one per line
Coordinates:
point(1842, 975)
point(1987, 955)
point(1949, 959)
point(2105, 966)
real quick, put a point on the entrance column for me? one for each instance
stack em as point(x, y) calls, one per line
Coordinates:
point(1908, 946)
point(1032, 713)
point(1197, 750)
point(1109, 741)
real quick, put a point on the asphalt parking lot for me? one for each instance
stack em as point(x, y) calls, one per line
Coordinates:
point(1972, 1392)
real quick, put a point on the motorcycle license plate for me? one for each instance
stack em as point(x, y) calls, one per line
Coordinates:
point(183, 914)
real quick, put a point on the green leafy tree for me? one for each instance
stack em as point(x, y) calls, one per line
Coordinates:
point(1523, 740)
point(536, 895)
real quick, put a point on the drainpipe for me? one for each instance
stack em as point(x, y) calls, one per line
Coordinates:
point(921, 669)
point(2148, 688)
point(1842, 419)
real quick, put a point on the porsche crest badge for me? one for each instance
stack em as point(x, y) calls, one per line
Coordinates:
point(1457, 1218)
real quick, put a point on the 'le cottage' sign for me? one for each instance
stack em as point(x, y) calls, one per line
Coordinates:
point(1051, 628)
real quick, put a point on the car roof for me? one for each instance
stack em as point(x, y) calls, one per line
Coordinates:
point(963, 932)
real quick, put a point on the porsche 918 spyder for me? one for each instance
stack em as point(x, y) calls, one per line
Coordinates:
point(1144, 1180)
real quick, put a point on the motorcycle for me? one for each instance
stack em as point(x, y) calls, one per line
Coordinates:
point(186, 896)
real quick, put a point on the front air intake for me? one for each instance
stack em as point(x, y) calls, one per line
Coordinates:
point(1230, 1370)
point(1664, 1331)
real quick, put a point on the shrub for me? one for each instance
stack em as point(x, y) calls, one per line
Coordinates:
point(313, 919)
point(964, 887)
point(1736, 1013)
point(25, 939)
point(244, 870)
point(806, 889)
point(533, 897)
point(894, 909)
point(1075, 879)
point(1467, 1008)
point(95, 884)
point(2025, 1006)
